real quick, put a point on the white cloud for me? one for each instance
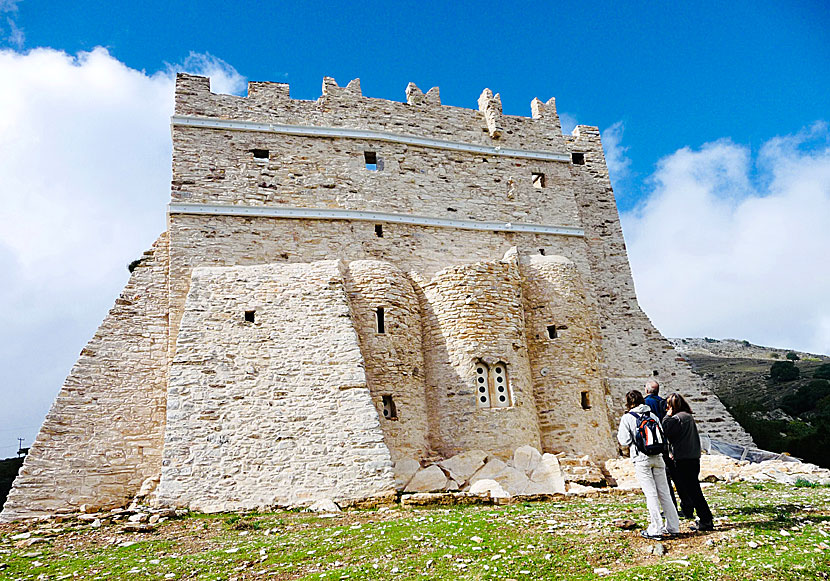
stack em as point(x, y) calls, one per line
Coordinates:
point(568, 123)
point(223, 77)
point(722, 248)
point(85, 159)
point(615, 152)
point(14, 35)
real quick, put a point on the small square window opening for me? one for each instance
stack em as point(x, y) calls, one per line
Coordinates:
point(389, 410)
point(538, 180)
point(585, 398)
point(578, 158)
point(249, 316)
point(380, 319)
point(260, 153)
point(371, 160)
point(379, 230)
point(551, 331)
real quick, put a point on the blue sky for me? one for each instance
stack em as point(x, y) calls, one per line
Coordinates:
point(714, 119)
point(676, 74)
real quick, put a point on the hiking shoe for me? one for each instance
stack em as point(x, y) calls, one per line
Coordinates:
point(646, 535)
point(702, 527)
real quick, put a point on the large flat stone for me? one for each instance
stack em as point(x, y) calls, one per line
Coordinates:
point(547, 477)
point(462, 466)
point(429, 479)
point(525, 458)
point(490, 486)
point(404, 471)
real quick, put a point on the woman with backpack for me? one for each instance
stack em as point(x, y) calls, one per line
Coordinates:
point(681, 431)
point(640, 430)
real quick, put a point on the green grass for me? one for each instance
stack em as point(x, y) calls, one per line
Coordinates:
point(771, 532)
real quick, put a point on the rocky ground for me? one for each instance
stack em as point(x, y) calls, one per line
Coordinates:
point(764, 531)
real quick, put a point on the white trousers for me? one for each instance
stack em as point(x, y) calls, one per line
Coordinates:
point(651, 474)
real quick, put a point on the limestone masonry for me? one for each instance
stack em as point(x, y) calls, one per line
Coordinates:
point(355, 296)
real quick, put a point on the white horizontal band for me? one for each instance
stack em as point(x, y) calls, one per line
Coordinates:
point(335, 214)
point(311, 131)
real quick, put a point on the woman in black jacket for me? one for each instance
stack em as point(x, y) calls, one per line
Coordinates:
point(681, 431)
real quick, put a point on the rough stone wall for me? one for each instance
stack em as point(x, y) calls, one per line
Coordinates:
point(394, 358)
point(216, 166)
point(233, 240)
point(475, 313)
point(103, 436)
point(566, 368)
point(274, 411)
point(632, 346)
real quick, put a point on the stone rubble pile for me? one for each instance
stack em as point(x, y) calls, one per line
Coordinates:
point(714, 468)
point(527, 473)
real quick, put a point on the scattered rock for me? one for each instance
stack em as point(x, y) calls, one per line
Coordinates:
point(602, 571)
point(659, 549)
point(324, 505)
point(138, 517)
point(134, 527)
point(625, 523)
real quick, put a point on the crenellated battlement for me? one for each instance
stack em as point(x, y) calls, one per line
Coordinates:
point(421, 114)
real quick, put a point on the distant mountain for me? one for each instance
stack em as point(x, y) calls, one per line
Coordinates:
point(780, 396)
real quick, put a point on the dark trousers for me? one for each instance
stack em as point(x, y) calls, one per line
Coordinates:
point(685, 506)
point(686, 473)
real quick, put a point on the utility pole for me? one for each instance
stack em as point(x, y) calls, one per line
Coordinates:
point(19, 446)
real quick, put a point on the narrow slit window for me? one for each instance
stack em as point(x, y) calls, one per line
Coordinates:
point(379, 230)
point(551, 331)
point(389, 410)
point(578, 158)
point(260, 153)
point(249, 316)
point(501, 395)
point(482, 385)
point(585, 400)
point(538, 180)
point(380, 319)
point(371, 160)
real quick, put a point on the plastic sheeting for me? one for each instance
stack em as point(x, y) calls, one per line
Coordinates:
point(742, 452)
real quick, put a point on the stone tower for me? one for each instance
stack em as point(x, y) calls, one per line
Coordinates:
point(347, 286)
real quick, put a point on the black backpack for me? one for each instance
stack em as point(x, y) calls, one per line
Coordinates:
point(648, 435)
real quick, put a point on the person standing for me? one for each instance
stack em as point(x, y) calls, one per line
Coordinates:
point(681, 431)
point(650, 470)
point(658, 408)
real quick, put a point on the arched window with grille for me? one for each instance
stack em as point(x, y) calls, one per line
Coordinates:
point(492, 385)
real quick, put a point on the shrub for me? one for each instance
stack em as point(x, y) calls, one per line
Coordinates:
point(792, 356)
point(782, 371)
point(822, 371)
point(804, 483)
point(774, 355)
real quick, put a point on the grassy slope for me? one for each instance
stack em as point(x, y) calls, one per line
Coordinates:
point(561, 540)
